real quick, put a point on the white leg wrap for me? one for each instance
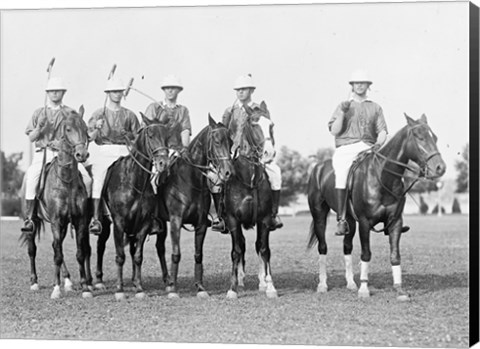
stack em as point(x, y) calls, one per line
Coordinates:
point(322, 273)
point(397, 274)
point(363, 291)
point(241, 275)
point(262, 286)
point(349, 272)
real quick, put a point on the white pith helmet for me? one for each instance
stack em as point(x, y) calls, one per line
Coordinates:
point(171, 81)
point(359, 76)
point(55, 84)
point(244, 81)
point(114, 84)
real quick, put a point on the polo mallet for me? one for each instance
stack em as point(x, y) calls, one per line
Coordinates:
point(110, 75)
point(127, 90)
point(130, 87)
point(49, 72)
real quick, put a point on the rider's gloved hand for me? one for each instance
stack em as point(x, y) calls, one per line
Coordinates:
point(42, 121)
point(376, 147)
point(99, 124)
point(345, 106)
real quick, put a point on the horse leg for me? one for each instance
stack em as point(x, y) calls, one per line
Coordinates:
point(132, 249)
point(263, 251)
point(319, 227)
point(160, 247)
point(59, 229)
point(394, 236)
point(347, 254)
point(137, 258)
point(199, 239)
point(32, 254)
point(101, 243)
point(175, 227)
point(365, 258)
point(118, 233)
point(83, 254)
point(68, 284)
point(238, 250)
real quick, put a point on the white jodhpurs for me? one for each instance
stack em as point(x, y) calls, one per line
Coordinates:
point(342, 160)
point(32, 176)
point(274, 175)
point(101, 157)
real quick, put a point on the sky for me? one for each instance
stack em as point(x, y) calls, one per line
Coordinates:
point(300, 56)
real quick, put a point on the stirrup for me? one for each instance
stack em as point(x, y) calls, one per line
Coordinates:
point(28, 226)
point(95, 227)
point(218, 224)
point(275, 223)
point(342, 228)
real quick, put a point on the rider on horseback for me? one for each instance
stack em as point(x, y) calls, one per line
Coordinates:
point(109, 128)
point(44, 131)
point(244, 88)
point(358, 125)
point(175, 116)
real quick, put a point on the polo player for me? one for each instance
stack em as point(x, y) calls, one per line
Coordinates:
point(43, 130)
point(244, 88)
point(173, 115)
point(358, 124)
point(110, 129)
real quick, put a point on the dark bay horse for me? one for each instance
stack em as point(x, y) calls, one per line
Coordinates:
point(130, 199)
point(184, 198)
point(248, 199)
point(63, 201)
point(377, 195)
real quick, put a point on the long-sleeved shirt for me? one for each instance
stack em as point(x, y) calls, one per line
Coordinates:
point(51, 131)
point(177, 120)
point(362, 123)
point(115, 125)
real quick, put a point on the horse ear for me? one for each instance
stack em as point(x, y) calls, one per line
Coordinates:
point(146, 120)
point(263, 105)
point(81, 111)
point(211, 121)
point(410, 121)
point(423, 118)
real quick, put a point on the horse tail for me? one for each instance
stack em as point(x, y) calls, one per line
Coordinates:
point(246, 212)
point(312, 238)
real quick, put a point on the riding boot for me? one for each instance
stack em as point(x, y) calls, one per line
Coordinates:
point(28, 224)
point(275, 222)
point(218, 223)
point(342, 226)
point(95, 226)
point(157, 224)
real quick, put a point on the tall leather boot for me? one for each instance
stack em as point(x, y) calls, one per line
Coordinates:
point(275, 222)
point(157, 225)
point(95, 226)
point(28, 225)
point(342, 225)
point(218, 223)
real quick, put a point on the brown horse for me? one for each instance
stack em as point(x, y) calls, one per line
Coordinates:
point(63, 201)
point(248, 200)
point(377, 195)
point(130, 199)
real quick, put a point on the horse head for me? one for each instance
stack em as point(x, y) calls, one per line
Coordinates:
point(218, 149)
point(257, 137)
point(152, 141)
point(421, 147)
point(74, 134)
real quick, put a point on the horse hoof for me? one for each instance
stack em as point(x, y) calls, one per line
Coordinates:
point(56, 293)
point(272, 294)
point(140, 295)
point(34, 287)
point(90, 288)
point(169, 289)
point(173, 295)
point(364, 294)
point(232, 294)
point(68, 285)
point(100, 286)
point(403, 298)
point(87, 294)
point(203, 294)
point(352, 286)
point(262, 288)
point(119, 296)
point(322, 289)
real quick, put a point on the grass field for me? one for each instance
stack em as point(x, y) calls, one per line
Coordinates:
point(435, 273)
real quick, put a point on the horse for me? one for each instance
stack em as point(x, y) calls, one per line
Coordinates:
point(130, 199)
point(184, 198)
point(63, 201)
point(376, 195)
point(248, 199)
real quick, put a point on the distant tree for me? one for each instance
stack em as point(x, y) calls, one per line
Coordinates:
point(462, 167)
point(294, 173)
point(12, 175)
point(456, 206)
point(423, 206)
point(435, 209)
point(320, 156)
